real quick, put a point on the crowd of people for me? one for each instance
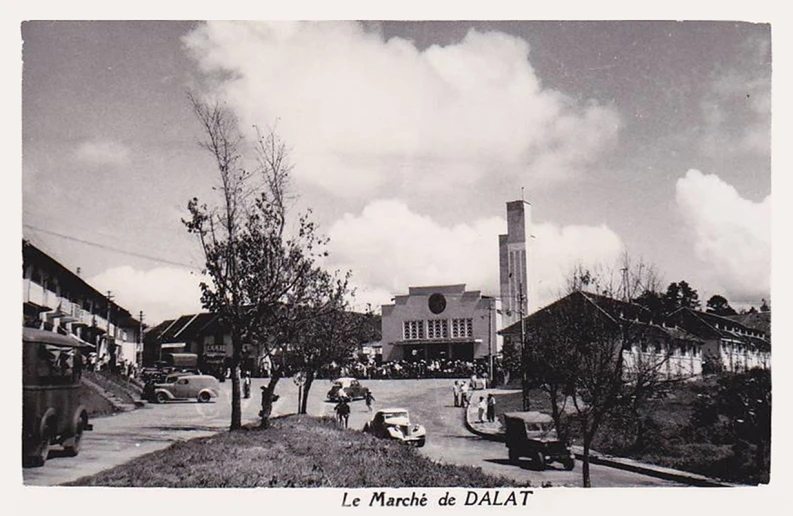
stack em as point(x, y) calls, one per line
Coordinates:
point(397, 369)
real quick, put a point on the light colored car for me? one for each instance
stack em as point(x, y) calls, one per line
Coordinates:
point(394, 423)
point(181, 386)
point(346, 387)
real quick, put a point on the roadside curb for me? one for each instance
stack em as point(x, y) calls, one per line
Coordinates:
point(613, 462)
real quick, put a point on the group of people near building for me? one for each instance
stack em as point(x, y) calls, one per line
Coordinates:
point(399, 369)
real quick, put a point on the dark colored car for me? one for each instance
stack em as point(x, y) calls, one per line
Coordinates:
point(52, 409)
point(348, 388)
point(532, 435)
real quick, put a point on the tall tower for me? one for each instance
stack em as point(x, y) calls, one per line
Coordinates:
point(513, 271)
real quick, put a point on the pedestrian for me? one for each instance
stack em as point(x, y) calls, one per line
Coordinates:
point(491, 408)
point(343, 411)
point(246, 385)
point(465, 395)
point(456, 392)
point(481, 407)
point(369, 399)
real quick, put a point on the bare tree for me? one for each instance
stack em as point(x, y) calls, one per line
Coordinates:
point(260, 278)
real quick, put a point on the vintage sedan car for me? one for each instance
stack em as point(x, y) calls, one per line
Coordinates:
point(394, 423)
point(533, 435)
point(348, 388)
point(180, 386)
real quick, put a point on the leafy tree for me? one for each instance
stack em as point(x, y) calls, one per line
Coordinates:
point(332, 333)
point(766, 306)
point(260, 280)
point(744, 401)
point(719, 305)
point(680, 295)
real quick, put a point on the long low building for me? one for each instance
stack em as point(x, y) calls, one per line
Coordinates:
point(441, 322)
point(56, 299)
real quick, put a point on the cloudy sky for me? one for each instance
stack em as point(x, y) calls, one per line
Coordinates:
point(407, 140)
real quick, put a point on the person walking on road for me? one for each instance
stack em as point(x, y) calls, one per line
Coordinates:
point(491, 408)
point(343, 412)
point(369, 399)
point(456, 392)
point(481, 407)
point(465, 395)
point(246, 385)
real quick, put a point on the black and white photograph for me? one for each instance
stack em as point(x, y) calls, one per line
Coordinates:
point(392, 259)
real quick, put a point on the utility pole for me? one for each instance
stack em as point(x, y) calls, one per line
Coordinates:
point(490, 340)
point(139, 357)
point(111, 346)
point(523, 359)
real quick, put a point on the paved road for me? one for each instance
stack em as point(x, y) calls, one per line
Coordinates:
point(119, 438)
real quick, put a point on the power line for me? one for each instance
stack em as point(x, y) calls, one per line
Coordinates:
point(110, 248)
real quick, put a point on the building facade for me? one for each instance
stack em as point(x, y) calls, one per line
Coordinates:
point(441, 322)
point(56, 299)
point(662, 347)
point(729, 345)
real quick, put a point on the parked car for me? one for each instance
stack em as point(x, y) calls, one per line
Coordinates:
point(181, 386)
point(394, 423)
point(533, 435)
point(51, 405)
point(349, 388)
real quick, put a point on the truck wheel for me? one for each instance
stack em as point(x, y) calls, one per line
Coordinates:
point(539, 461)
point(161, 397)
point(569, 464)
point(514, 457)
point(74, 448)
point(204, 397)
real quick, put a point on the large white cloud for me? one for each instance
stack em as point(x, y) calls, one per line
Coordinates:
point(364, 114)
point(162, 293)
point(389, 248)
point(732, 234)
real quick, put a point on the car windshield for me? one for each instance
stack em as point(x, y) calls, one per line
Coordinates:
point(539, 427)
point(392, 415)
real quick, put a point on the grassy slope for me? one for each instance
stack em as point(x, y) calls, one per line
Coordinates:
point(296, 451)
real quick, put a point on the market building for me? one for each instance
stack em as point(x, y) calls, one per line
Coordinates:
point(441, 322)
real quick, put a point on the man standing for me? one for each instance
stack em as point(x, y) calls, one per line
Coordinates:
point(491, 408)
point(456, 392)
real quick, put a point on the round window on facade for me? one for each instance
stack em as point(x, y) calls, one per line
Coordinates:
point(437, 303)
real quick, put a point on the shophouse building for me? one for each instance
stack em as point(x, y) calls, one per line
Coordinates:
point(56, 299)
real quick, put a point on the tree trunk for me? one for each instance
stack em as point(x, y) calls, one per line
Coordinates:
point(585, 468)
point(306, 388)
point(236, 407)
point(553, 394)
point(267, 400)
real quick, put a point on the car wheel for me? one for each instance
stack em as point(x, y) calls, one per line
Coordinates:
point(161, 397)
point(569, 464)
point(514, 457)
point(74, 448)
point(204, 397)
point(420, 443)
